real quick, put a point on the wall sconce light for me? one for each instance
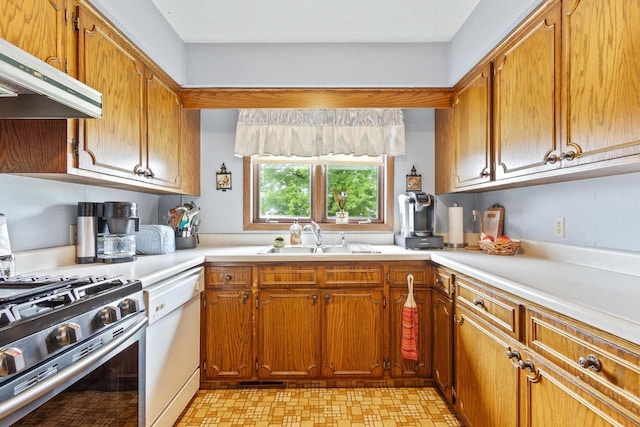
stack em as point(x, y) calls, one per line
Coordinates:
point(223, 179)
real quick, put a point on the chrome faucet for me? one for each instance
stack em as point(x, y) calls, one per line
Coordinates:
point(317, 232)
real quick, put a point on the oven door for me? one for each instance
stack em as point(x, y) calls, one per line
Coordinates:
point(101, 386)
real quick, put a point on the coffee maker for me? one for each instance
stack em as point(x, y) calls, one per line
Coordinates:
point(417, 216)
point(106, 232)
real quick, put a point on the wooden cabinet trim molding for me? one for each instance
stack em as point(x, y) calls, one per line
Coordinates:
point(238, 98)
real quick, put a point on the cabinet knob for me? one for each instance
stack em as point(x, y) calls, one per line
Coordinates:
point(479, 302)
point(526, 364)
point(139, 170)
point(228, 277)
point(569, 155)
point(245, 298)
point(439, 281)
point(514, 354)
point(148, 173)
point(551, 159)
point(590, 361)
point(484, 173)
point(327, 297)
point(314, 299)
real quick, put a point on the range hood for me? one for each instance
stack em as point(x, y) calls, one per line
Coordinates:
point(33, 89)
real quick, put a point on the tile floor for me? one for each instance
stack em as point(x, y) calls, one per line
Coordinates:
point(319, 406)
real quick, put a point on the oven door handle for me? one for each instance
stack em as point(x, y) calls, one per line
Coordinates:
point(50, 384)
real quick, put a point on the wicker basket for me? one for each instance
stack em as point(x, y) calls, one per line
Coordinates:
point(499, 248)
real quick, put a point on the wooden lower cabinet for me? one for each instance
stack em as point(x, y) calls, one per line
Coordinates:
point(399, 366)
point(352, 344)
point(289, 331)
point(550, 397)
point(227, 334)
point(487, 383)
point(442, 360)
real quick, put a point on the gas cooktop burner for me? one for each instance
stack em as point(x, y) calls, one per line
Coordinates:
point(29, 296)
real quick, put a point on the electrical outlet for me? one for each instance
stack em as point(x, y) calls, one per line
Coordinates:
point(558, 227)
point(73, 234)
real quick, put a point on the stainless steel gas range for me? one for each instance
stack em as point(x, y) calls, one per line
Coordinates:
point(71, 351)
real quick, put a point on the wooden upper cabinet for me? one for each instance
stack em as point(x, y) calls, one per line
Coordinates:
point(112, 145)
point(444, 139)
point(602, 87)
point(473, 129)
point(527, 99)
point(36, 26)
point(163, 132)
point(190, 157)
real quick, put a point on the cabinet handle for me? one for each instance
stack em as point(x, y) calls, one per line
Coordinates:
point(569, 155)
point(314, 299)
point(526, 364)
point(245, 298)
point(514, 354)
point(478, 302)
point(484, 173)
point(551, 159)
point(148, 173)
point(590, 361)
point(228, 277)
point(139, 170)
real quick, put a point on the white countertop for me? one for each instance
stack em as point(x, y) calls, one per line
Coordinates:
point(601, 297)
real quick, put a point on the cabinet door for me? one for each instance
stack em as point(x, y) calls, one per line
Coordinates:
point(190, 157)
point(163, 133)
point(352, 325)
point(226, 335)
point(289, 344)
point(473, 130)
point(112, 145)
point(401, 367)
point(527, 100)
point(602, 99)
point(442, 308)
point(487, 383)
point(36, 26)
point(445, 140)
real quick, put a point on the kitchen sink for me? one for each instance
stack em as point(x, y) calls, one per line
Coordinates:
point(308, 250)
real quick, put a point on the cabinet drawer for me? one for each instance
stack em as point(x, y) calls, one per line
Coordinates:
point(497, 310)
point(224, 276)
point(288, 275)
point(443, 280)
point(611, 367)
point(398, 275)
point(352, 275)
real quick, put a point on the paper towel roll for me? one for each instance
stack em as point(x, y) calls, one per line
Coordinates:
point(456, 232)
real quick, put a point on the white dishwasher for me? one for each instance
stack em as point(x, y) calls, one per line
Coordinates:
point(173, 346)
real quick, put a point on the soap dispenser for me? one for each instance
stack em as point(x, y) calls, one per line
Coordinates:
point(295, 233)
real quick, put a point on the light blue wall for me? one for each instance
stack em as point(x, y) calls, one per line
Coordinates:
point(39, 211)
point(318, 65)
point(487, 25)
point(143, 23)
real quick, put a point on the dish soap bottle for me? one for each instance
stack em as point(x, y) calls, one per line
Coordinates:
point(295, 233)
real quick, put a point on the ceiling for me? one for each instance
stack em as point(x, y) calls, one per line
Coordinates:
point(319, 21)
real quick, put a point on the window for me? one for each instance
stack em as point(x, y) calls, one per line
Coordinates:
point(281, 189)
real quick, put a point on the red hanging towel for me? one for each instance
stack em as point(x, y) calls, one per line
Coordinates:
point(409, 342)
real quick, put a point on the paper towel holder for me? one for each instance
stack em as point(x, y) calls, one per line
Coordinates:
point(456, 245)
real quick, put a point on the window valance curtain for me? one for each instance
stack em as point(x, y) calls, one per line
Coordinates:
point(320, 132)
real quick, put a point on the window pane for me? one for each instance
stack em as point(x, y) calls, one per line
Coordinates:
point(285, 191)
point(360, 183)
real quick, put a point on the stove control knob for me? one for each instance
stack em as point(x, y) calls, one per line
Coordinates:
point(11, 361)
point(128, 306)
point(109, 314)
point(68, 334)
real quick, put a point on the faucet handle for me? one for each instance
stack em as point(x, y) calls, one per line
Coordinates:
point(342, 237)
